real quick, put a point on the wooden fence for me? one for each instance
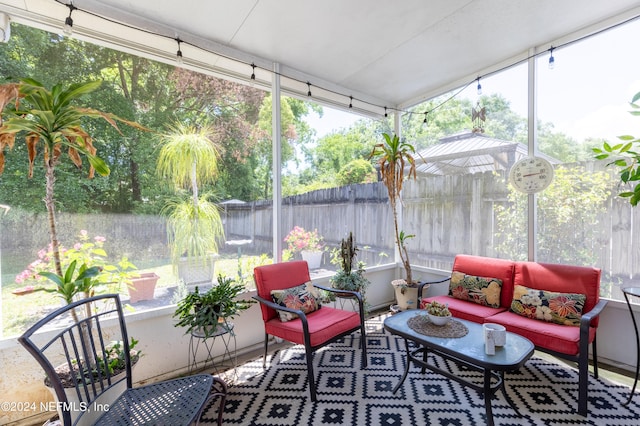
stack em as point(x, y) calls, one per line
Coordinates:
point(448, 214)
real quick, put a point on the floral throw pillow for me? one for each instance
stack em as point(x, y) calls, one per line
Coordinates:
point(481, 290)
point(301, 297)
point(559, 308)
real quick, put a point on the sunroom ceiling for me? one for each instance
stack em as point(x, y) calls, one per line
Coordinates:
point(380, 52)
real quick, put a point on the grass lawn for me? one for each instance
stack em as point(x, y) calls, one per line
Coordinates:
point(19, 312)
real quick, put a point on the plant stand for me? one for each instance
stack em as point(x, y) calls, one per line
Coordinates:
point(224, 333)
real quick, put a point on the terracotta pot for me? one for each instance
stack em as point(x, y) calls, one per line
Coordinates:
point(142, 288)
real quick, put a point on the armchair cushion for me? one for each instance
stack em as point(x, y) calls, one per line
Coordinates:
point(556, 307)
point(484, 291)
point(300, 297)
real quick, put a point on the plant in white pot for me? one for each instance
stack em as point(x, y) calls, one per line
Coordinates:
point(309, 244)
point(189, 159)
point(395, 161)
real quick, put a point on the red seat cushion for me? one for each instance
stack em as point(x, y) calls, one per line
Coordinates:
point(324, 325)
point(560, 338)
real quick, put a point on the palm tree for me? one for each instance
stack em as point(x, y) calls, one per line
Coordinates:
point(395, 158)
point(189, 158)
point(52, 123)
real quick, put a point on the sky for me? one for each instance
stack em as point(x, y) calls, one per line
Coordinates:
point(586, 94)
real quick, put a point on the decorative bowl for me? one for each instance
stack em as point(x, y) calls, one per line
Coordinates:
point(436, 320)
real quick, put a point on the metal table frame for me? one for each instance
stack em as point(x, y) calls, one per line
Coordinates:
point(633, 291)
point(468, 351)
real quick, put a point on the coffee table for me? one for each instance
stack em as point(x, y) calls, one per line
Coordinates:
point(468, 351)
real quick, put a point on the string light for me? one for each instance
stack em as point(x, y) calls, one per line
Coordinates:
point(179, 52)
point(253, 72)
point(68, 22)
point(69, 25)
point(552, 61)
point(425, 117)
point(308, 89)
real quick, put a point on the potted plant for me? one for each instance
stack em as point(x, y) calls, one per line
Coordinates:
point(203, 312)
point(395, 158)
point(189, 159)
point(307, 243)
point(438, 313)
point(346, 278)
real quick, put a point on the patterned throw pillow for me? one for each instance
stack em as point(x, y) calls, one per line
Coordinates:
point(481, 290)
point(559, 308)
point(302, 297)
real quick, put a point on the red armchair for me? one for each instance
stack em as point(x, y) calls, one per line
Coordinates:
point(313, 330)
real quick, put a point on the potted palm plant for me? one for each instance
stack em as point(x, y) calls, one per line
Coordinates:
point(189, 159)
point(395, 161)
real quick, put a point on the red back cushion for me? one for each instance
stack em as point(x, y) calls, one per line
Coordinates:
point(276, 277)
point(561, 278)
point(489, 267)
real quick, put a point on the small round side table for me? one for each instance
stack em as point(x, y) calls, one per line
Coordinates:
point(633, 291)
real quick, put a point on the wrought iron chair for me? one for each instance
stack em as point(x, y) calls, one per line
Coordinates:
point(313, 330)
point(96, 393)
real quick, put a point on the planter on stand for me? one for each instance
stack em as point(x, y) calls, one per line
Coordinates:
point(143, 287)
point(313, 258)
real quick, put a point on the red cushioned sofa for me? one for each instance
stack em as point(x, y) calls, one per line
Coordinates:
point(565, 341)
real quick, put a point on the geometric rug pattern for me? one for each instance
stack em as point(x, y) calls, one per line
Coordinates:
point(544, 392)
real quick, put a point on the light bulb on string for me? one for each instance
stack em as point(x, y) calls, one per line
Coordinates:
point(552, 60)
point(350, 101)
point(68, 22)
point(425, 117)
point(179, 58)
point(479, 87)
point(253, 73)
point(385, 112)
point(308, 89)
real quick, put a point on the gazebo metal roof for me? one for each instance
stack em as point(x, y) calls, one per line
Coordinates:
point(470, 152)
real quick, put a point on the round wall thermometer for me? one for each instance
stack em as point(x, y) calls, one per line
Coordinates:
point(531, 174)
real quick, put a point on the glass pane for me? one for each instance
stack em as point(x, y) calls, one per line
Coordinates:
point(583, 101)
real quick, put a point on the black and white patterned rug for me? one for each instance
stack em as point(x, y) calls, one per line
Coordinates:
point(544, 392)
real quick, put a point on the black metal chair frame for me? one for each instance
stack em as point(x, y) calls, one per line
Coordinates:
point(82, 346)
point(310, 350)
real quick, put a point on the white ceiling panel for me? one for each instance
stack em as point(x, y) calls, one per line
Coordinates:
point(381, 52)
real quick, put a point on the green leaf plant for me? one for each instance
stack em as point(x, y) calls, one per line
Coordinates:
point(395, 157)
point(51, 122)
point(626, 158)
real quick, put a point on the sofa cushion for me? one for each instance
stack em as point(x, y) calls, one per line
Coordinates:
point(481, 266)
point(544, 335)
point(464, 309)
point(481, 290)
point(556, 307)
point(300, 297)
point(562, 279)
